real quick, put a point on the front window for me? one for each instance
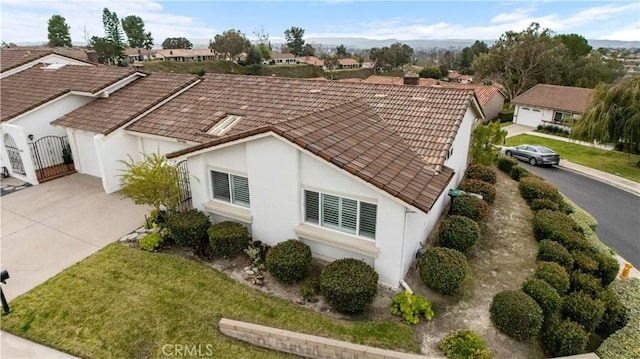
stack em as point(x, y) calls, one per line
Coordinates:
point(230, 188)
point(339, 213)
point(562, 118)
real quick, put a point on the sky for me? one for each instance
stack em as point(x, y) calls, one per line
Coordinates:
point(26, 21)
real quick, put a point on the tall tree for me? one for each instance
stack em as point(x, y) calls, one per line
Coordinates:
point(577, 45)
point(612, 116)
point(308, 50)
point(394, 56)
point(230, 45)
point(58, 32)
point(295, 42)
point(254, 56)
point(110, 48)
point(341, 51)
point(133, 26)
point(176, 43)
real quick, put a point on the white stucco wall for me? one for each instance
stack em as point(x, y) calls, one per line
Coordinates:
point(159, 145)
point(85, 154)
point(112, 149)
point(37, 122)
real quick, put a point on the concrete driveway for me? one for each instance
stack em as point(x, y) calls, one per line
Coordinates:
point(48, 227)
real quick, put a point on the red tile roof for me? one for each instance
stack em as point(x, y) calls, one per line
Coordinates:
point(572, 99)
point(14, 57)
point(33, 87)
point(104, 115)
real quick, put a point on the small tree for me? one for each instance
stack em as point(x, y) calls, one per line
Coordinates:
point(485, 137)
point(295, 43)
point(330, 63)
point(152, 181)
point(430, 72)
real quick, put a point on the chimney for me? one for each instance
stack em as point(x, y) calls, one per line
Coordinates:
point(411, 79)
point(139, 51)
point(170, 52)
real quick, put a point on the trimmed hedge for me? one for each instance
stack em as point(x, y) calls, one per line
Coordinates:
point(289, 261)
point(487, 190)
point(443, 269)
point(584, 282)
point(464, 344)
point(564, 338)
point(554, 274)
point(458, 232)
point(516, 314)
point(584, 310)
point(541, 203)
point(517, 173)
point(349, 285)
point(580, 215)
point(532, 188)
point(481, 172)
point(584, 261)
point(559, 227)
point(470, 207)
point(228, 239)
point(544, 294)
point(505, 164)
point(608, 267)
point(625, 343)
point(551, 251)
point(615, 314)
point(189, 229)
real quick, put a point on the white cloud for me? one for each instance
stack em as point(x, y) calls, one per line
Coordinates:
point(629, 33)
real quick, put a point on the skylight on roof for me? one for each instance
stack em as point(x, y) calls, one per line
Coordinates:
point(224, 125)
point(54, 66)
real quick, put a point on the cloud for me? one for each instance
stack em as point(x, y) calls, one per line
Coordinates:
point(629, 33)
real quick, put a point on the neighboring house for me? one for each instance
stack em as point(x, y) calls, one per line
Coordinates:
point(368, 64)
point(454, 76)
point(279, 58)
point(348, 64)
point(185, 55)
point(139, 54)
point(312, 60)
point(14, 60)
point(550, 105)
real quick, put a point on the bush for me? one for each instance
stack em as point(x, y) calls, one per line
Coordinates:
point(505, 164)
point(228, 239)
point(581, 216)
point(554, 274)
point(625, 343)
point(608, 267)
point(464, 344)
point(539, 204)
point(349, 285)
point(532, 188)
point(470, 207)
point(584, 282)
point(150, 242)
point(443, 269)
point(584, 310)
point(584, 261)
point(481, 172)
point(564, 338)
point(289, 261)
point(487, 190)
point(189, 229)
point(411, 307)
point(309, 290)
point(458, 232)
point(544, 294)
point(517, 173)
point(550, 251)
point(557, 226)
point(615, 314)
point(516, 314)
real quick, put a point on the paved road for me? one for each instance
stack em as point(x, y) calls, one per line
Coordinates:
point(617, 211)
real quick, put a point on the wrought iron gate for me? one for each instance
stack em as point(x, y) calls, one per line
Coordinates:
point(185, 193)
point(52, 157)
point(14, 155)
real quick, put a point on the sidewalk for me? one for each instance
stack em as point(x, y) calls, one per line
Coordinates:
point(16, 347)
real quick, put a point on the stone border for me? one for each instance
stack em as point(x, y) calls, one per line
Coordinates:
point(309, 346)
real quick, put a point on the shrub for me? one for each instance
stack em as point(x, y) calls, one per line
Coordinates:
point(625, 343)
point(608, 267)
point(228, 239)
point(189, 228)
point(532, 188)
point(544, 294)
point(581, 216)
point(584, 310)
point(564, 338)
point(559, 227)
point(554, 274)
point(584, 261)
point(470, 207)
point(550, 251)
point(289, 261)
point(349, 285)
point(464, 344)
point(516, 314)
point(481, 172)
point(411, 307)
point(487, 190)
point(505, 164)
point(443, 269)
point(615, 314)
point(517, 173)
point(458, 232)
point(309, 289)
point(539, 204)
point(584, 282)
point(150, 242)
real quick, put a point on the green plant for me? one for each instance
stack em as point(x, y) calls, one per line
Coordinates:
point(228, 239)
point(289, 261)
point(564, 338)
point(551, 251)
point(485, 137)
point(584, 282)
point(544, 294)
point(458, 232)
point(580, 215)
point(443, 269)
point(464, 344)
point(189, 229)
point(505, 164)
point(309, 289)
point(583, 309)
point(411, 307)
point(625, 342)
point(349, 285)
point(481, 172)
point(608, 267)
point(516, 314)
point(532, 188)
point(615, 314)
point(557, 226)
point(540, 203)
point(67, 156)
point(554, 274)
point(584, 261)
point(150, 242)
point(487, 190)
point(517, 173)
point(470, 206)
point(254, 254)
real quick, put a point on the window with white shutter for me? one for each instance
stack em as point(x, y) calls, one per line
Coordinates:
point(230, 188)
point(339, 213)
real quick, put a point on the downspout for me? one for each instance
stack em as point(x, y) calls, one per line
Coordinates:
point(404, 231)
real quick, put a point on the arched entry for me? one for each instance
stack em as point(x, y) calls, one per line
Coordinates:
point(15, 160)
point(52, 157)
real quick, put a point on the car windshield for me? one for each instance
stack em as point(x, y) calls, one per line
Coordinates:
point(545, 150)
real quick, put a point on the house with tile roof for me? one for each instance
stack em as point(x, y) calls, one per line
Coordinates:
point(185, 55)
point(550, 105)
point(282, 58)
point(14, 60)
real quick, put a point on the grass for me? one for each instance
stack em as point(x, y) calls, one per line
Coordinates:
point(613, 162)
point(127, 303)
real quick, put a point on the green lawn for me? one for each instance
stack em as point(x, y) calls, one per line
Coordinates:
point(613, 162)
point(127, 303)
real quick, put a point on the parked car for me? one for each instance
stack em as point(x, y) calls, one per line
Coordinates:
point(534, 154)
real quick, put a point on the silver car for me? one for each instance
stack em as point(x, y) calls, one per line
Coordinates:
point(534, 154)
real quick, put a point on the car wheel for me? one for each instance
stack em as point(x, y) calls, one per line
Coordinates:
point(532, 161)
point(508, 153)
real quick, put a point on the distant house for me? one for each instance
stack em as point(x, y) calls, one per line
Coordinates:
point(185, 55)
point(454, 76)
point(348, 64)
point(312, 60)
point(368, 64)
point(550, 105)
point(280, 58)
point(139, 54)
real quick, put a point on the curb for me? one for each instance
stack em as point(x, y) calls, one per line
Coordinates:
point(600, 179)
